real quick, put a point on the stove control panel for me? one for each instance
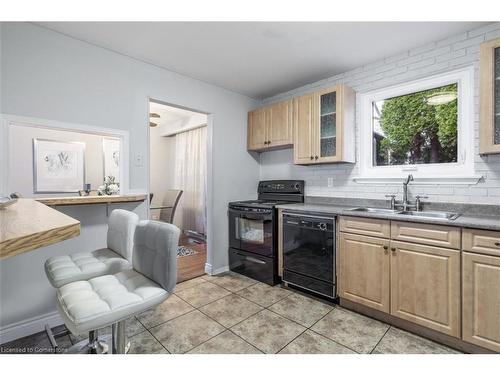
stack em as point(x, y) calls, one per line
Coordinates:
point(281, 186)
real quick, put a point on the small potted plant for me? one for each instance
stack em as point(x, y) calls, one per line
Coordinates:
point(110, 187)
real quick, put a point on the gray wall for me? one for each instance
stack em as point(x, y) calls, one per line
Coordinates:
point(21, 157)
point(437, 57)
point(50, 76)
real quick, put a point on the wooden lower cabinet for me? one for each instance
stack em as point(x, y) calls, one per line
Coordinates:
point(364, 270)
point(425, 286)
point(481, 300)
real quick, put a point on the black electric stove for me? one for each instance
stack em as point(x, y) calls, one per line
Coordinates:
point(253, 240)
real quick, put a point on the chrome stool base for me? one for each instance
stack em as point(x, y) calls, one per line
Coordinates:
point(98, 346)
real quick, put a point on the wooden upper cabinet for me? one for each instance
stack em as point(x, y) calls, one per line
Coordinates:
point(364, 270)
point(324, 126)
point(489, 116)
point(270, 127)
point(425, 286)
point(303, 128)
point(279, 124)
point(257, 137)
point(481, 300)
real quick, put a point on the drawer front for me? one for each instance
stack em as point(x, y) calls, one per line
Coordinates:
point(427, 234)
point(366, 226)
point(481, 241)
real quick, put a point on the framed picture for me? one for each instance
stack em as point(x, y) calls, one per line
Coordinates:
point(58, 167)
point(111, 156)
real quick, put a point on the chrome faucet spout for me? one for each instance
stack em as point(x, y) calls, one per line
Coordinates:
point(405, 191)
point(408, 179)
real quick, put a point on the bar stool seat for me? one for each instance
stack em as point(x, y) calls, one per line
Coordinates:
point(104, 300)
point(116, 257)
point(65, 269)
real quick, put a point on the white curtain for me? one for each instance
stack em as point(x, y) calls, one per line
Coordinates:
point(191, 177)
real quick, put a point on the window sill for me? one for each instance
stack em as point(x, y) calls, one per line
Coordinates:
point(436, 180)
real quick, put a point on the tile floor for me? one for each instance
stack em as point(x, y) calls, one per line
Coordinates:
point(234, 314)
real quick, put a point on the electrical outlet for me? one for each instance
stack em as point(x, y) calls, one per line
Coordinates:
point(330, 181)
point(138, 160)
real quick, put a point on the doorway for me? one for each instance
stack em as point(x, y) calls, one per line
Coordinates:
point(178, 174)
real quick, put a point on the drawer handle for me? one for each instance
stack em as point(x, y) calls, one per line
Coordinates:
point(497, 243)
point(393, 249)
point(386, 247)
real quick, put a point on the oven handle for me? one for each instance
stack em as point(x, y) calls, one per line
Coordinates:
point(252, 259)
point(252, 215)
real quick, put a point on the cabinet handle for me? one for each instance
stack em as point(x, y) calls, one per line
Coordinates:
point(393, 249)
point(386, 247)
point(497, 243)
point(316, 157)
point(312, 157)
point(268, 142)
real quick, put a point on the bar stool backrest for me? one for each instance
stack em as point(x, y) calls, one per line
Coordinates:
point(155, 252)
point(121, 227)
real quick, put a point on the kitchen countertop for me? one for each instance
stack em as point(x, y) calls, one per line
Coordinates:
point(91, 199)
point(489, 222)
point(27, 225)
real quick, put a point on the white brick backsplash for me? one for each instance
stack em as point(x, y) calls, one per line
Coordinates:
point(432, 58)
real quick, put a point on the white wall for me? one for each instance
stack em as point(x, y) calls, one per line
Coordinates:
point(162, 167)
point(21, 157)
point(437, 57)
point(50, 76)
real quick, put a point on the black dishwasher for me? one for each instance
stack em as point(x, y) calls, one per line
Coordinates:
point(309, 252)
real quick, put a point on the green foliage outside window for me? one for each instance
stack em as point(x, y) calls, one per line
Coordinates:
point(416, 132)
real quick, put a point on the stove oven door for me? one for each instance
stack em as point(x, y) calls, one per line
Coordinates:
point(251, 231)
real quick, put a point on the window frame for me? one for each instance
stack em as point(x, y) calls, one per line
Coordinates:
point(459, 172)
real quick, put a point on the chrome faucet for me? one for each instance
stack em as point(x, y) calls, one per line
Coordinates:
point(405, 191)
point(405, 203)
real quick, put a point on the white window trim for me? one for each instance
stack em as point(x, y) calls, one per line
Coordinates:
point(461, 172)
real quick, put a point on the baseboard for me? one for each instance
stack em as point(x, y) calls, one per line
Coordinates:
point(29, 326)
point(209, 269)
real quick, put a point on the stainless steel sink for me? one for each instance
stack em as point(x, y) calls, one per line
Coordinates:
point(431, 214)
point(374, 210)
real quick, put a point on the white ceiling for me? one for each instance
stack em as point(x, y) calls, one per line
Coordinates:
point(173, 119)
point(260, 59)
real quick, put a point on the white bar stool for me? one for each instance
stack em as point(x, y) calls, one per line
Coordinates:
point(86, 306)
point(116, 257)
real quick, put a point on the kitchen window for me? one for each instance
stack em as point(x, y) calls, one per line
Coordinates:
point(424, 127)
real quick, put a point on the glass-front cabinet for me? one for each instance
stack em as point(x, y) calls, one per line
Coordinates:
point(489, 134)
point(324, 126)
point(328, 124)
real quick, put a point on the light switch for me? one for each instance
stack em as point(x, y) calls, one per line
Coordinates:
point(138, 160)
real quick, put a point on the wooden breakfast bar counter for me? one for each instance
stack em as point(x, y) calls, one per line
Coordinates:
point(28, 224)
point(31, 223)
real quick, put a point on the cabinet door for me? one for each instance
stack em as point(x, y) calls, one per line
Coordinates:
point(481, 300)
point(328, 138)
point(279, 124)
point(303, 128)
point(425, 286)
point(257, 137)
point(364, 270)
point(489, 69)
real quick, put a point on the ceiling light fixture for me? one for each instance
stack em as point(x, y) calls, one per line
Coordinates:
point(442, 98)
